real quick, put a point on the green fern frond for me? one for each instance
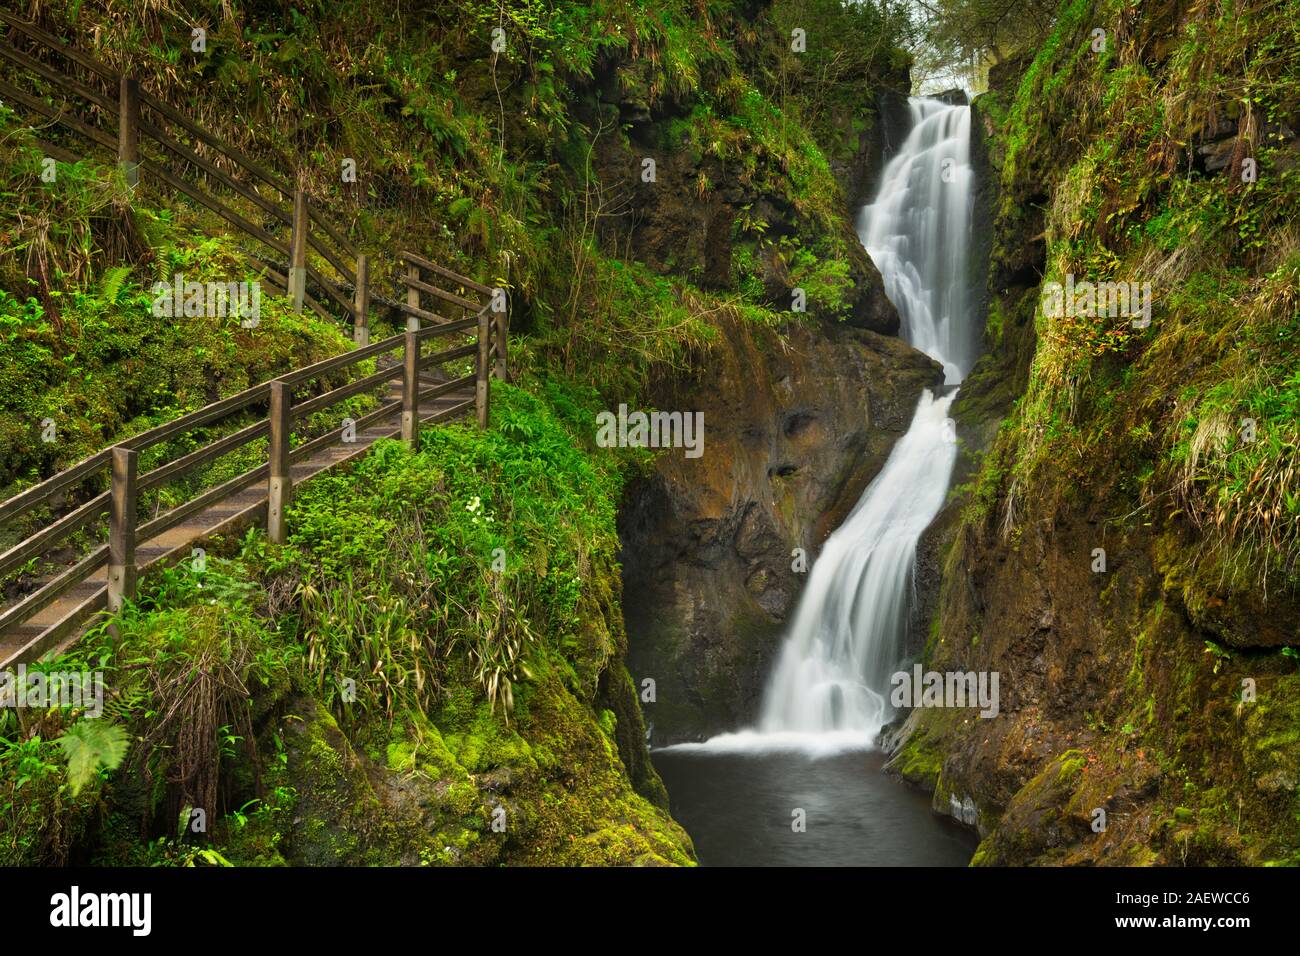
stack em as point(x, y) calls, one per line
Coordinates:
point(90, 745)
point(114, 279)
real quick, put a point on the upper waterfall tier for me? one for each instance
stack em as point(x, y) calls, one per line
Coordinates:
point(918, 233)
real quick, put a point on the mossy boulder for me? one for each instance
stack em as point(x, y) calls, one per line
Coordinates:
point(338, 819)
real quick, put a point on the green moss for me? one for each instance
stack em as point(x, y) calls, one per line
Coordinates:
point(993, 325)
point(919, 759)
point(919, 762)
point(481, 741)
point(475, 688)
point(1069, 765)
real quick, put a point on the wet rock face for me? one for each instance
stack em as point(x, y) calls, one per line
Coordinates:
point(1147, 714)
point(794, 432)
point(872, 139)
point(795, 428)
point(1120, 740)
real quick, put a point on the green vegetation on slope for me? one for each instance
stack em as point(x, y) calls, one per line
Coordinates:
point(480, 160)
point(1223, 260)
point(1166, 681)
point(442, 657)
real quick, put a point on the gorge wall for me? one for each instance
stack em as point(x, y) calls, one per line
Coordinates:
point(795, 432)
point(1123, 554)
point(797, 423)
point(498, 723)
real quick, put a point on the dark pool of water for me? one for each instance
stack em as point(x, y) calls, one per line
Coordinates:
point(737, 808)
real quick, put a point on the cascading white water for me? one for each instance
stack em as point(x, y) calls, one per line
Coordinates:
point(918, 232)
point(848, 631)
point(849, 628)
point(830, 686)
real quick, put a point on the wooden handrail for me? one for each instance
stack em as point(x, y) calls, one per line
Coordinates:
point(334, 396)
point(162, 139)
point(443, 294)
point(132, 125)
point(54, 43)
point(333, 291)
point(446, 328)
point(330, 257)
point(225, 212)
point(201, 456)
point(446, 273)
point(33, 497)
point(333, 232)
point(39, 106)
point(330, 438)
point(55, 589)
point(120, 500)
point(56, 152)
point(203, 416)
point(34, 545)
point(175, 516)
point(54, 76)
point(439, 357)
point(451, 412)
point(325, 366)
point(446, 388)
point(225, 149)
point(124, 104)
point(417, 313)
point(20, 504)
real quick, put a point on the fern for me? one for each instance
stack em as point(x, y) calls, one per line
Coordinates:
point(114, 279)
point(460, 208)
point(90, 745)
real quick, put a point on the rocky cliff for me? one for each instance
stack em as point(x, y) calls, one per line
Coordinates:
point(795, 430)
point(1123, 555)
point(797, 422)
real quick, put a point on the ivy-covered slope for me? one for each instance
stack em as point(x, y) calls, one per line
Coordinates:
point(1126, 556)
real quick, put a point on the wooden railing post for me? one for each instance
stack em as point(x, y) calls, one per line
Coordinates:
point(412, 297)
point(298, 250)
point(501, 370)
point(280, 486)
point(361, 303)
point(121, 529)
point(128, 129)
point(411, 391)
point(481, 384)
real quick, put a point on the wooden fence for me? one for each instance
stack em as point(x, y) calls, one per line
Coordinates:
point(119, 502)
point(154, 141)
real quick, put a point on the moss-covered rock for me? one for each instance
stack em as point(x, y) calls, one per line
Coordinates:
point(337, 817)
point(1154, 690)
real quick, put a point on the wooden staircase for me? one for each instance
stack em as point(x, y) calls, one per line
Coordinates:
point(411, 388)
point(420, 390)
point(55, 627)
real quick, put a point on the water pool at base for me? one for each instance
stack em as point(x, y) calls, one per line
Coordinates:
point(738, 809)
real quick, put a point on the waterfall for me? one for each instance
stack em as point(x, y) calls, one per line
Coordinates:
point(917, 232)
point(830, 686)
point(851, 622)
